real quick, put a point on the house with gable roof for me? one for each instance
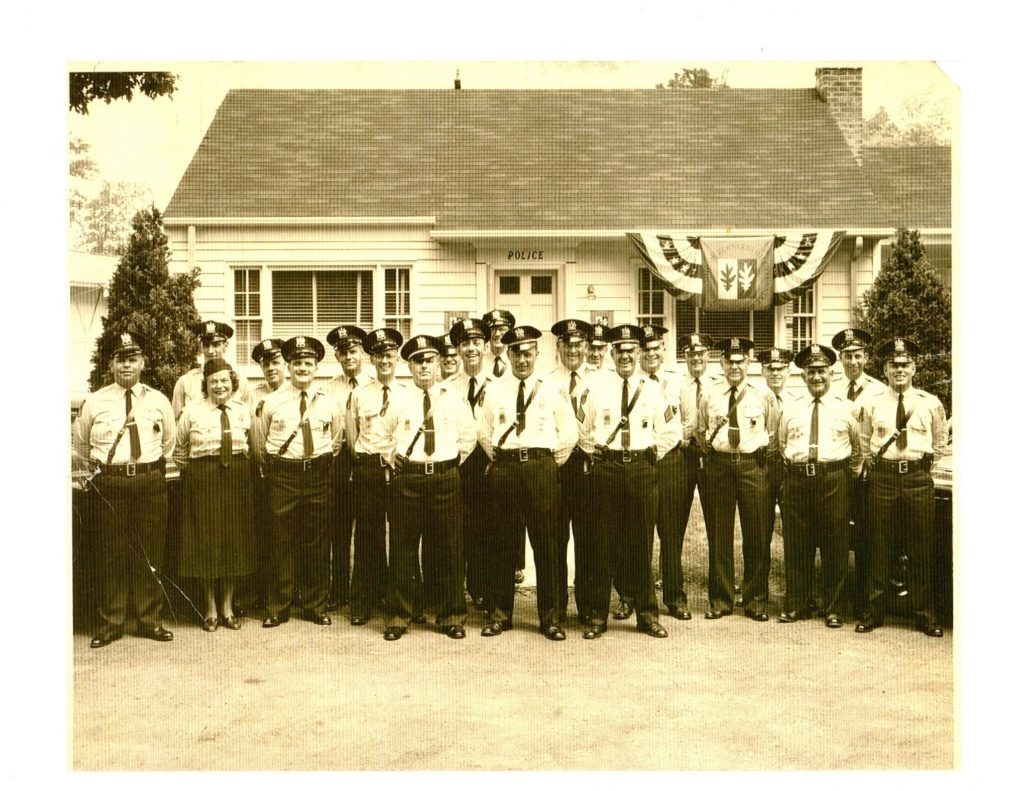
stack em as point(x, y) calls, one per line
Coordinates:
point(305, 209)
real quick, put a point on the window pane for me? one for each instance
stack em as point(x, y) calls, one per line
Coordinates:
point(293, 297)
point(508, 284)
point(396, 292)
point(404, 326)
point(337, 298)
point(540, 284)
point(248, 332)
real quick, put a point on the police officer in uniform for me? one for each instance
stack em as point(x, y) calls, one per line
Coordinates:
point(449, 358)
point(597, 348)
point(905, 431)
point(253, 590)
point(434, 433)
point(570, 378)
point(347, 341)
point(858, 388)
point(213, 337)
point(302, 426)
point(470, 337)
point(819, 442)
point(626, 431)
point(736, 427)
point(775, 364)
point(498, 322)
point(124, 435)
point(370, 428)
point(527, 430)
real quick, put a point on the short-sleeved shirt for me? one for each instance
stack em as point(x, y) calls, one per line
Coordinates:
point(926, 425)
point(103, 415)
point(199, 429)
point(648, 423)
point(549, 419)
point(280, 419)
point(756, 417)
point(368, 430)
point(454, 427)
point(838, 429)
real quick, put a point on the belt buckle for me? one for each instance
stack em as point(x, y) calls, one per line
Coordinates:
point(129, 469)
point(627, 456)
point(902, 466)
point(380, 458)
point(811, 468)
point(428, 468)
point(524, 454)
point(307, 464)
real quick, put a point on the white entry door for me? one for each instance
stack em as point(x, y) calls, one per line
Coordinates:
point(531, 296)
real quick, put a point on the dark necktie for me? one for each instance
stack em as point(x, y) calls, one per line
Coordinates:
point(225, 436)
point(623, 409)
point(901, 425)
point(573, 379)
point(734, 423)
point(851, 393)
point(307, 432)
point(471, 397)
point(428, 426)
point(133, 429)
point(812, 450)
point(499, 366)
point(696, 399)
point(351, 389)
point(521, 408)
point(384, 402)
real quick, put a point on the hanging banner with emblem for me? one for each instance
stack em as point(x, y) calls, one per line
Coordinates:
point(737, 273)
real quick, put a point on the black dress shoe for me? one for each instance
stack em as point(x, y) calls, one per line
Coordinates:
point(494, 628)
point(680, 613)
point(865, 626)
point(833, 621)
point(760, 617)
point(790, 616)
point(273, 620)
point(105, 637)
point(592, 631)
point(654, 629)
point(210, 624)
point(623, 611)
point(360, 620)
point(319, 618)
point(157, 633)
point(714, 615)
point(554, 632)
point(931, 629)
point(231, 622)
point(393, 633)
point(455, 631)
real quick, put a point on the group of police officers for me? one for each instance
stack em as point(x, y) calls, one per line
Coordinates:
point(435, 479)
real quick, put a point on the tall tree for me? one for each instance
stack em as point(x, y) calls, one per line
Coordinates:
point(695, 78)
point(145, 298)
point(80, 168)
point(87, 86)
point(907, 300)
point(925, 123)
point(105, 219)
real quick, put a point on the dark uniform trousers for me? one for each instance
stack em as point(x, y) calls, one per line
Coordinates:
point(525, 491)
point(860, 540)
point(625, 506)
point(300, 502)
point(131, 517)
point(426, 508)
point(572, 516)
point(737, 479)
point(901, 511)
point(370, 562)
point(673, 511)
point(776, 496)
point(817, 515)
point(256, 585)
point(477, 510)
point(341, 529)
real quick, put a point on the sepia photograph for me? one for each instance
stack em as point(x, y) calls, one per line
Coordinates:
point(411, 399)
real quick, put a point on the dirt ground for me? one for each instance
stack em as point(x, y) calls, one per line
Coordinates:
point(728, 694)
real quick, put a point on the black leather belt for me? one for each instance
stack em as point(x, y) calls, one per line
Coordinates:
point(521, 454)
point(429, 467)
point(813, 468)
point(211, 457)
point(623, 456)
point(899, 467)
point(132, 469)
point(728, 455)
point(314, 463)
point(372, 459)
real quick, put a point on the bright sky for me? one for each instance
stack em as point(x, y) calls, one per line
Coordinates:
point(152, 142)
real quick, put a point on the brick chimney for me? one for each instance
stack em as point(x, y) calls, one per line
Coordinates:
point(841, 91)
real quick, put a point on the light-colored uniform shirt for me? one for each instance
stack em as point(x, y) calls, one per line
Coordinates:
point(342, 388)
point(488, 366)
point(281, 417)
point(603, 411)
point(688, 405)
point(460, 383)
point(671, 385)
point(838, 429)
point(454, 427)
point(561, 377)
point(189, 388)
point(757, 416)
point(199, 429)
point(926, 425)
point(866, 388)
point(368, 430)
point(103, 415)
point(549, 419)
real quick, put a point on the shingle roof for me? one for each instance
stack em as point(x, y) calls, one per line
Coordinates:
point(913, 184)
point(492, 159)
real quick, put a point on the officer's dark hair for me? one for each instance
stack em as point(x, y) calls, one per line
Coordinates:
point(234, 383)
